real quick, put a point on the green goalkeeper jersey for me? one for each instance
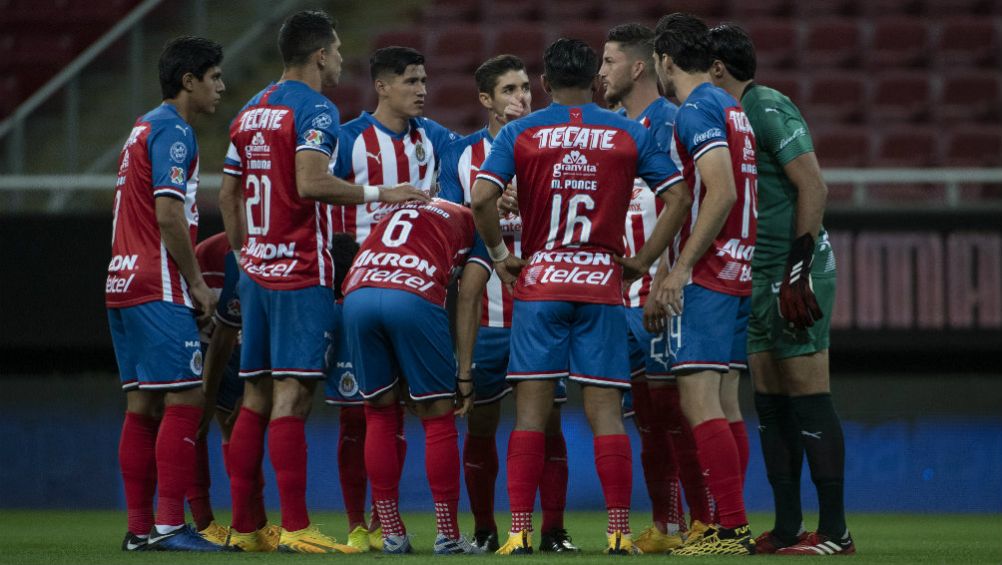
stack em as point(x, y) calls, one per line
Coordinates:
point(781, 135)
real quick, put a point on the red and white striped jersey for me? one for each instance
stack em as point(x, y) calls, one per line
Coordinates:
point(369, 153)
point(159, 159)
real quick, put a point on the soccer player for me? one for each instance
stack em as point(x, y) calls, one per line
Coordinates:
point(396, 324)
point(395, 143)
point(630, 81)
point(794, 267)
point(273, 204)
point(715, 148)
point(575, 165)
point(154, 292)
point(483, 319)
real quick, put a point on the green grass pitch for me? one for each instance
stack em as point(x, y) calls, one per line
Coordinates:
point(93, 537)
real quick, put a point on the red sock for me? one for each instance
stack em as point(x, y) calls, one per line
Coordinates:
point(401, 441)
point(740, 434)
point(175, 461)
point(662, 399)
point(480, 469)
point(226, 457)
point(246, 452)
point(526, 459)
point(654, 456)
point(351, 463)
point(198, 492)
point(383, 465)
point(137, 460)
point(719, 457)
point(614, 463)
point(684, 445)
point(287, 449)
point(441, 464)
point(553, 483)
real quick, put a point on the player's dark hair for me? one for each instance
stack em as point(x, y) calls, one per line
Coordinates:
point(685, 39)
point(393, 59)
point(343, 251)
point(570, 63)
point(637, 40)
point(302, 34)
point(183, 55)
point(733, 47)
point(488, 73)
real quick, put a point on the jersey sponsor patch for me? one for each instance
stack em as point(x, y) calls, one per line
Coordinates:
point(314, 137)
point(177, 175)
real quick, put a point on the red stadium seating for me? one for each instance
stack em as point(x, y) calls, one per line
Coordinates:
point(9, 95)
point(902, 97)
point(762, 8)
point(877, 8)
point(402, 38)
point(776, 42)
point(908, 147)
point(970, 96)
point(350, 99)
point(524, 40)
point(788, 83)
point(452, 100)
point(836, 97)
point(559, 11)
point(827, 8)
point(954, 7)
point(438, 12)
point(898, 42)
point(972, 146)
point(458, 48)
point(591, 33)
point(968, 42)
point(646, 12)
point(513, 11)
point(842, 146)
point(831, 42)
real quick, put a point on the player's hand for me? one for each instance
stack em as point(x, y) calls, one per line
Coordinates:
point(669, 296)
point(508, 201)
point(514, 110)
point(797, 303)
point(509, 269)
point(205, 302)
point(655, 319)
point(401, 193)
point(464, 395)
point(633, 268)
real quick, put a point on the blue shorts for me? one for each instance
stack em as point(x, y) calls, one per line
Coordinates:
point(628, 411)
point(231, 388)
point(712, 332)
point(649, 353)
point(490, 364)
point(157, 346)
point(395, 332)
point(341, 387)
point(556, 339)
point(285, 332)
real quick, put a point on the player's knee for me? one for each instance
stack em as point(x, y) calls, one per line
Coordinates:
point(433, 408)
point(292, 397)
point(189, 397)
point(483, 421)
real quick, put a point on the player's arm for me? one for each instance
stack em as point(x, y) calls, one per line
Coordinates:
point(217, 356)
point(468, 302)
point(231, 206)
point(812, 192)
point(488, 220)
point(678, 203)
point(714, 168)
point(314, 182)
point(174, 232)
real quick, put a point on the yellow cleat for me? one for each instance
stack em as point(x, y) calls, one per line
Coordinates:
point(652, 540)
point(311, 540)
point(720, 541)
point(215, 533)
point(375, 539)
point(519, 543)
point(252, 542)
point(695, 532)
point(621, 544)
point(359, 539)
point(271, 534)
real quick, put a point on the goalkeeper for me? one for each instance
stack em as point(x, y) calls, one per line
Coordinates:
point(793, 291)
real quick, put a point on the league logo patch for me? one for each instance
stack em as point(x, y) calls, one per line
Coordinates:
point(420, 153)
point(196, 362)
point(323, 121)
point(314, 137)
point(178, 152)
point(347, 385)
point(177, 175)
point(233, 308)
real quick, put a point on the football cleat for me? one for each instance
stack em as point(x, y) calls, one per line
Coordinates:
point(271, 533)
point(397, 544)
point(251, 542)
point(820, 544)
point(557, 540)
point(486, 540)
point(311, 540)
point(767, 544)
point(519, 543)
point(696, 531)
point(132, 542)
point(359, 539)
point(652, 540)
point(376, 539)
point(720, 541)
point(184, 538)
point(214, 533)
point(459, 546)
point(621, 544)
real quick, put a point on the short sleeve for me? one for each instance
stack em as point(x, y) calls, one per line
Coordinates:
point(781, 131)
point(653, 163)
point(317, 128)
point(700, 128)
point(172, 151)
point(228, 308)
point(449, 185)
point(499, 167)
point(479, 255)
point(232, 164)
point(440, 136)
point(342, 163)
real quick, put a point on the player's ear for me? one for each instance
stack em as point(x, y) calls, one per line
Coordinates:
point(546, 84)
point(717, 69)
point(639, 68)
point(486, 101)
point(188, 81)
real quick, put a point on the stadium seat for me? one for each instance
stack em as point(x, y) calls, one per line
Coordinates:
point(456, 48)
point(842, 146)
point(973, 146)
point(914, 146)
point(828, 8)
point(742, 11)
point(513, 11)
point(776, 42)
point(29, 49)
point(831, 42)
point(898, 42)
point(901, 97)
point(10, 96)
point(878, 8)
point(560, 11)
point(788, 83)
point(835, 98)
point(402, 38)
point(452, 100)
point(524, 40)
point(708, 9)
point(593, 34)
point(438, 12)
point(350, 99)
point(954, 7)
point(968, 42)
point(646, 12)
point(970, 96)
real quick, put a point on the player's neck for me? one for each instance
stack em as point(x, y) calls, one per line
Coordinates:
point(643, 94)
point(685, 83)
point(572, 96)
point(182, 104)
point(308, 75)
point(493, 124)
point(391, 120)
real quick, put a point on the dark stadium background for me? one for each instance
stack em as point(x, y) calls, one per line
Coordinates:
point(904, 98)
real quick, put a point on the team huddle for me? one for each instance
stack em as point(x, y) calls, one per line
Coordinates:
point(651, 253)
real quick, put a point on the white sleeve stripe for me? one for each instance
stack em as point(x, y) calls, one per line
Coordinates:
point(481, 262)
point(312, 148)
point(707, 147)
point(232, 171)
point(667, 183)
point(173, 193)
point(492, 178)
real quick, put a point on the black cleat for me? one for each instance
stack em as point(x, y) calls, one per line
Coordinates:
point(486, 540)
point(557, 540)
point(132, 542)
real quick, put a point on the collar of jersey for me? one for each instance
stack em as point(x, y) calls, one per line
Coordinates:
point(172, 109)
point(379, 125)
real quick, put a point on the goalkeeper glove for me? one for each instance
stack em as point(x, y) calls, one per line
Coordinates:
point(797, 304)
